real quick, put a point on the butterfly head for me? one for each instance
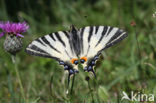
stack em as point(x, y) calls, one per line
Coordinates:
point(73, 29)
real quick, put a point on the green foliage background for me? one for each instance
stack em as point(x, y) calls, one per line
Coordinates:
point(119, 69)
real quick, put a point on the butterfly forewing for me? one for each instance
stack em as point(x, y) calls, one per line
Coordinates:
point(97, 38)
point(55, 45)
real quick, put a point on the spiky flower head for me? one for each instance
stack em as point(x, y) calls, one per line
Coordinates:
point(13, 28)
point(13, 42)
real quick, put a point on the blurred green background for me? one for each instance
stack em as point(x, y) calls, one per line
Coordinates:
point(119, 69)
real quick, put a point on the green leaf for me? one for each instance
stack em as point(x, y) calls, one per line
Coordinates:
point(103, 93)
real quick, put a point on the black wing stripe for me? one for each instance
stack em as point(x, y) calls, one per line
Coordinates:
point(68, 54)
point(52, 36)
point(37, 54)
point(82, 32)
point(110, 29)
point(81, 36)
point(59, 38)
point(109, 44)
point(38, 40)
point(88, 50)
point(34, 47)
point(31, 52)
point(96, 29)
point(48, 43)
point(66, 34)
point(71, 47)
point(103, 33)
point(90, 33)
point(117, 34)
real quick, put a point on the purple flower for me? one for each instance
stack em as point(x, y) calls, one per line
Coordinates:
point(13, 28)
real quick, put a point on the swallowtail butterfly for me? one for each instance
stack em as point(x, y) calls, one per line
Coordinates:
point(85, 43)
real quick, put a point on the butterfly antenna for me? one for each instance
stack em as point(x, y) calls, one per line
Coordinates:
point(94, 73)
point(73, 29)
point(68, 83)
point(72, 26)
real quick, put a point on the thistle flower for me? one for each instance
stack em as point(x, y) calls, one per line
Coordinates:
point(13, 42)
point(13, 28)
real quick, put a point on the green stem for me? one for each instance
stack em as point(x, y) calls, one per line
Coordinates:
point(10, 86)
point(90, 91)
point(18, 76)
point(141, 73)
point(139, 52)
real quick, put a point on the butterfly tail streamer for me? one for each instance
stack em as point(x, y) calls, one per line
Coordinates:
point(90, 90)
point(72, 86)
point(71, 91)
point(51, 84)
point(68, 83)
point(94, 74)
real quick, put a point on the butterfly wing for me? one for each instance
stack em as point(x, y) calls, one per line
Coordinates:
point(97, 38)
point(59, 45)
point(54, 45)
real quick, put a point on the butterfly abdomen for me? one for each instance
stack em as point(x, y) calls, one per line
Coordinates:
point(75, 40)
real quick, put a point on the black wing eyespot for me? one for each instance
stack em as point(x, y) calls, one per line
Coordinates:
point(82, 61)
point(76, 62)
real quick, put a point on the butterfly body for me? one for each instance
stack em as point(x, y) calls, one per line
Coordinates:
point(85, 43)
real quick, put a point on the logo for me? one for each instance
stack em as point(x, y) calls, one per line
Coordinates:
point(140, 97)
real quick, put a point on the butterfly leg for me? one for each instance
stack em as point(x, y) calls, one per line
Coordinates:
point(71, 72)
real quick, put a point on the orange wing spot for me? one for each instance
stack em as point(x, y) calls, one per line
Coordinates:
point(84, 58)
point(72, 60)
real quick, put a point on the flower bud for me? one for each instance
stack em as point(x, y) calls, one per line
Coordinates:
point(13, 44)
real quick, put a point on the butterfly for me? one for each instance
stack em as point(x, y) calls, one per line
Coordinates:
point(82, 45)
